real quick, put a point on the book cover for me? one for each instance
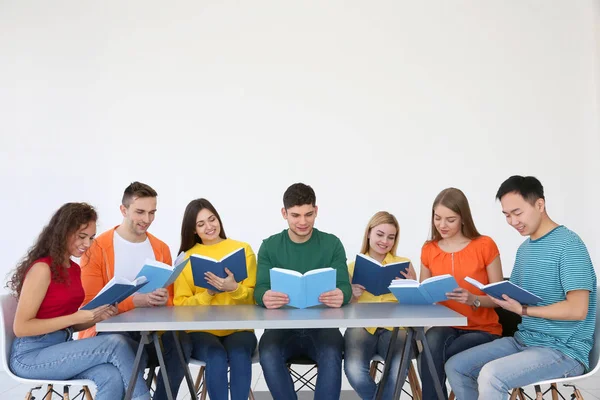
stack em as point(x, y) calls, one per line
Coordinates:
point(160, 275)
point(431, 290)
point(234, 261)
point(375, 277)
point(115, 291)
point(497, 289)
point(303, 289)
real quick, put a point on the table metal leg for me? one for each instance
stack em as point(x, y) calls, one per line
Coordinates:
point(163, 368)
point(404, 362)
point(420, 333)
point(185, 366)
point(144, 339)
point(387, 365)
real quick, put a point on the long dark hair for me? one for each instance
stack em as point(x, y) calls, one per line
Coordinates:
point(189, 237)
point(53, 242)
point(455, 200)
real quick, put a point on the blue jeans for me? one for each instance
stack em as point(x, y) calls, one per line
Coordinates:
point(324, 346)
point(173, 365)
point(107, 360)
point(489, 371)
point(445, 342)
point(360, 348)
point(220, 352)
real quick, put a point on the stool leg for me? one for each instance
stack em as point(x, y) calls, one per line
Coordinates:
point(87, 393)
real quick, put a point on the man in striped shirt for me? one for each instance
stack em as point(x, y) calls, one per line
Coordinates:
point(556, 335)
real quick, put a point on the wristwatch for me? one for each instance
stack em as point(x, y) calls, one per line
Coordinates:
point(476, 303)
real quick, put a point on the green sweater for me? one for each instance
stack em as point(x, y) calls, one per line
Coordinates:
point(322, 250)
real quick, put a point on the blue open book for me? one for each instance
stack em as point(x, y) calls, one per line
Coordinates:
point(431, 290)
point(115, 291)
point(234, 261)
point(303, 290)
point(374, 276)
point(161, 275)
point(497, 289)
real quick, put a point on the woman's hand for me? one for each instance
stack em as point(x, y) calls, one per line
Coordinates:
point(357, 290)
point(227, 284)
point(462, 296)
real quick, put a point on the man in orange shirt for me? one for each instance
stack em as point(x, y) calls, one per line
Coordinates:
point(122, 251)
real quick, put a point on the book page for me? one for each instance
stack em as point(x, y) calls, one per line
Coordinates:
point(404, 282)
point(318, 271)
point(157, 264)
point(287, 271)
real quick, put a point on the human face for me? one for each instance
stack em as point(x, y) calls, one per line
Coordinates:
point(208, 227)
point(447, 222)
point(301, 220)
point(521, 215)
point(82, 239)
point(382, 238)
point(138, 217)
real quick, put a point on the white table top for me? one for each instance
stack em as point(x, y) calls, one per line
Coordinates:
point(256, 317)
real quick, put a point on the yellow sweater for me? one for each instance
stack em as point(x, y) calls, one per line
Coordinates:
point(367, 297)
point(187, 294)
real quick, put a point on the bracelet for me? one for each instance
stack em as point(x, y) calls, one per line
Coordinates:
point(524, 311)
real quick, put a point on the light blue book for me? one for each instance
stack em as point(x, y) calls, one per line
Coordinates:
point(115, 291)
point(303, 289)
point(161, 275)
point(497, 289)
point(431, 290)
point(234, 261)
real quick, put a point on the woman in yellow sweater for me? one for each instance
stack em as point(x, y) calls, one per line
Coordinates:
point(202, 233)
point(362, 344)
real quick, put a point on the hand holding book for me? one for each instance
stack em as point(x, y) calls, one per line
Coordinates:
point(227, 284)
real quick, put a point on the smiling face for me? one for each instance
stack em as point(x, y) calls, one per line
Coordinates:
point(525, 217)
point(208, 227)
point(301, 220)
point(138, 217)
point(382, 239)
point(81, 240)
point(446, 222)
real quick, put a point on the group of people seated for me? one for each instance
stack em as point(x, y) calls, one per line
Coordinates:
point(554, 339)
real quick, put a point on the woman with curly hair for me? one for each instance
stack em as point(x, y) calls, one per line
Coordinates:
point(48, 286)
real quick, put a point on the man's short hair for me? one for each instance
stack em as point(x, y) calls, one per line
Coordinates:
point(299, 194)
point(137, 190)
point(529, 187)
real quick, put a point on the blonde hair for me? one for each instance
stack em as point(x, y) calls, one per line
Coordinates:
point(381, 217)
point(455, 200)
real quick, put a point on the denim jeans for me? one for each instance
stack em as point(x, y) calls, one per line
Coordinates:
point(172, 362)
point(489, 371)
point(445, 342)
point(324, 346)
point(360, 347)
point(107, 360)
point(220, 352)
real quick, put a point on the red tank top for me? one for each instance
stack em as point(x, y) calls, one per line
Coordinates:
point(62, 298)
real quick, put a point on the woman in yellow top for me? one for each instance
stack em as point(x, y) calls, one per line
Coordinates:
point(362, 344)
point(202, 233)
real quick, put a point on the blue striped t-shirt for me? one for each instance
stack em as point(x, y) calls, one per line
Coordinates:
point(551, 266)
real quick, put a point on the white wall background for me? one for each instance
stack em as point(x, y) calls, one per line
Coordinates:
point(377, 105)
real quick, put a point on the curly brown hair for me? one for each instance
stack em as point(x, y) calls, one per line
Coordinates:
point(52, 242)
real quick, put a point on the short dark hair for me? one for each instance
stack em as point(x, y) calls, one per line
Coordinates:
point(299, 194)
point(529, 187)
point(139, 190)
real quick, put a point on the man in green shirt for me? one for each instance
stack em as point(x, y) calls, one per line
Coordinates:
point(301, 248)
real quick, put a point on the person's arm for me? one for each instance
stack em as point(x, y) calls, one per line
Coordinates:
point(573, 308)
point(35, 286)
point(186, 293)
point(494, 273)
point(425, 273)
point(263, 279)
point(343, 292)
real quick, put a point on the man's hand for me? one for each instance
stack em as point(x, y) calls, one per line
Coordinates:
point(508, 304)
point(272, 299)
point(157, 298)
point(333, 298)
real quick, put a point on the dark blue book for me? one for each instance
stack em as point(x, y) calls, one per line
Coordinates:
point(497, 289)
point(161, 275)
point(303, 289)
point(115, 291)
point(234, 261)
point(431, 290)
point(374, 276)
